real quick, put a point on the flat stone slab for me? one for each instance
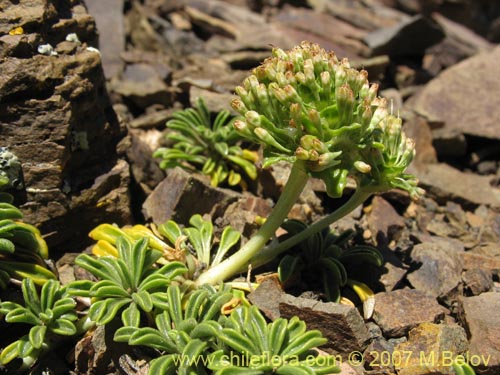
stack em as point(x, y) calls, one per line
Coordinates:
point(482, 321)
point(399, 311)
point(464, 96)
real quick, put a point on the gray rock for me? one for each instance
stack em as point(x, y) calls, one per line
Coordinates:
point(399, 311)
point(480, 318)
point(109, 19)
point(342, 325)
point(441, 270)
point(142, 84)
point(473, 81)
point(409, 38)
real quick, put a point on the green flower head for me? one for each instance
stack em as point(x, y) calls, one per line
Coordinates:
point(305, 104)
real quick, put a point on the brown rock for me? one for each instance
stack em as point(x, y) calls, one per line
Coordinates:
point(342, 325)
point(267, 298)
point(440, 182)
point(477, 281)
point(418, 129)
point(56, 117)
point(399, 311)
point(473, 81)
point(384, 221)
point(431, 348)
point(483, 324)
point(441, 270)
point(473, 260)
point(181, 195)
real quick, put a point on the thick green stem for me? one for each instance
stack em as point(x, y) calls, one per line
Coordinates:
point(270, 252)
point(294, 186)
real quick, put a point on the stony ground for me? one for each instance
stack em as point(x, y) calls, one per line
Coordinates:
point(438, 292)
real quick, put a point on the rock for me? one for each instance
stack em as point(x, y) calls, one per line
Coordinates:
point(399, 311)
point(473, 260)
point(181, 195)
point(211, 25)
point(267, 298)
point(477, 281)
point(58, 120)
point(449, 143)
point(409, 38)
point(338, 32)
point(384, 221)
point(242, 214)
point(215, 102)
point(483, 324)
point(439, 181)
point(154, 119)
point(342, 325)
point(431, 348)
point(109, 19)
point(418, 129)
point(366, 16)
point(142, 84)
point(441, 270)
point(472, 81)
point(145, 169)
point(227, 12)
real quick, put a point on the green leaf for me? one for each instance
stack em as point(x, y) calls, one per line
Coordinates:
point(123, 334)
point(152, 338)
point(237, 341)
point(229, 238)
point(206, 330)
point(30, 295)
point(137, 261)
point(103, 312)
point(276, 335)
point(172, 270)
point(131, 316)
point(9, 353)
point(24, 346)
point(37, 336)
point(194, 303)
point(80, 288)
point(258, 326)
point(175, 305)
point(303, 343)
point(49, 294)
point(163, 365)
point(170, 230)
point(294, 370)
point(7, 246)
point(289, 266)
point(212, 309)
point(22, 315)
point(108, 289)
point(143, 300)
point(63, 327)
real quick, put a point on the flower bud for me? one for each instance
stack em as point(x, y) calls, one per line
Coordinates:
point(313, 155)
point(309, 72)
point(307, 141)
point(301, 154)
point(300, 77)
point(268, 139)
point(380, 114)
point(242, 127)
point(238, 106)
point(253, 118)
point(315, 119)
point(362, 167)
point(326, 160)
point(326, 82)
point(278, 92)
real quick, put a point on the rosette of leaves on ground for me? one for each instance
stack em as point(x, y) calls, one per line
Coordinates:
point(50, 315)
point(130, 284)
point(194, 245)
point(280, 347)
point(23, 251)
point(211, 147)
point(186, 331)
point(323, 261)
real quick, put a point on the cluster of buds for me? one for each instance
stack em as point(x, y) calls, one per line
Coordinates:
point(305, 104)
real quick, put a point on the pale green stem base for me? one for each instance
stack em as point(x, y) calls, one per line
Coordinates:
point(232, 265)
point(270, 252)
